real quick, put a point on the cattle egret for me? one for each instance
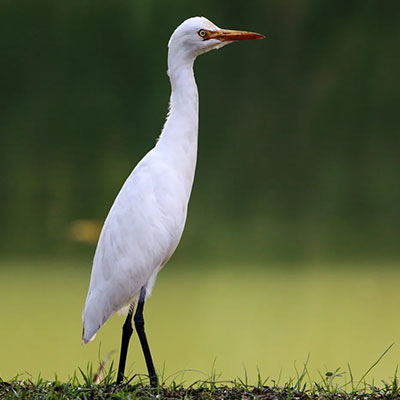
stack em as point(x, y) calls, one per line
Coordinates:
point(146, 221)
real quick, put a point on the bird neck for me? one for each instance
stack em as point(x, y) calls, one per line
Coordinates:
point(181, 127)
point(178, 141)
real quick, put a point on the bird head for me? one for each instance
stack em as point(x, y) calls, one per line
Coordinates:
point(198, 35)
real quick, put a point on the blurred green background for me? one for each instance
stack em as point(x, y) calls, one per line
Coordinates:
point(292, 240)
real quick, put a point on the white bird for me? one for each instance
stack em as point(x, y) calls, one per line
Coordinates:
point(146, 221)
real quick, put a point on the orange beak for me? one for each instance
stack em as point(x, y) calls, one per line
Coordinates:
point(227, 35)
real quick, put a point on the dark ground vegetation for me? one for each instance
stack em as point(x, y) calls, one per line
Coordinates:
point(56, 390)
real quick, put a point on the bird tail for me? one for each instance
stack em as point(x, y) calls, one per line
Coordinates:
point(88, 330)
point(92, 318)
point(96, 312)
point(87, 338)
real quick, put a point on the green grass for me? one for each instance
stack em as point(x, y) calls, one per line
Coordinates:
point(332, 385)
point(239, 317)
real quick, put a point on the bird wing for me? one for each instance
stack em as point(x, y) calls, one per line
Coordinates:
point(141, 232)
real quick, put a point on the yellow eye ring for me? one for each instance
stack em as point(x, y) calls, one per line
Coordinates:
point(202, 33)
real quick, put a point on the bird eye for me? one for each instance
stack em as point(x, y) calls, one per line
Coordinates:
point(202, 33)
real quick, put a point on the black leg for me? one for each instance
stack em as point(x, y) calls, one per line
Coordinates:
point(126, 335)
point(139, 324)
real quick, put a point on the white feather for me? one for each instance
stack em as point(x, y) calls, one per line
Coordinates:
point(146, 221)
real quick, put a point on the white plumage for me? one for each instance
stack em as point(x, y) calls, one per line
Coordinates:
point(146, 221)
